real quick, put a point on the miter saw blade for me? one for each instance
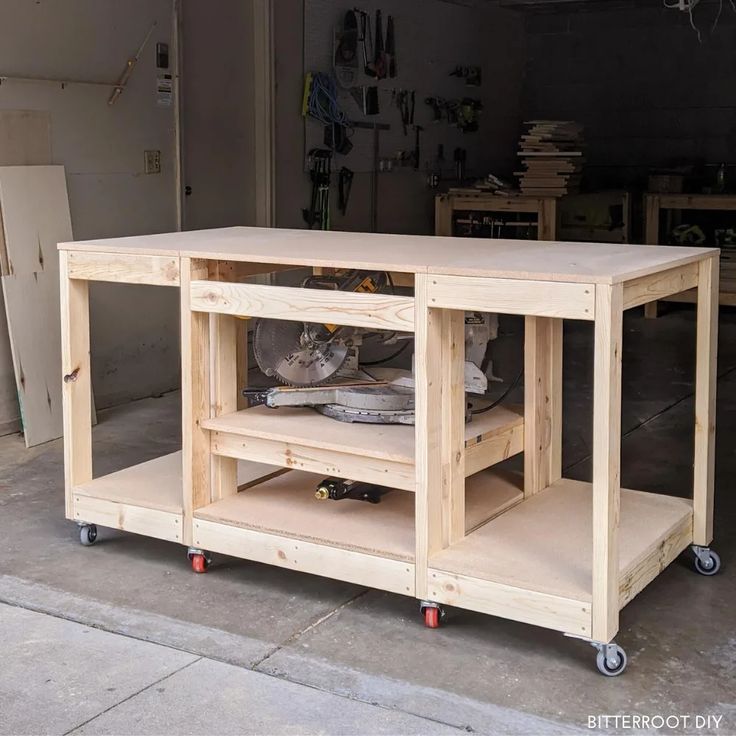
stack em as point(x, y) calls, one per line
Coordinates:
point(289, 352)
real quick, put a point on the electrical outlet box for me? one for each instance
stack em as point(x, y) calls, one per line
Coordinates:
point(152, 161)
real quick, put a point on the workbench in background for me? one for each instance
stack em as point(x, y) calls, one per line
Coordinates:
point(596, 217)
point(655, 205)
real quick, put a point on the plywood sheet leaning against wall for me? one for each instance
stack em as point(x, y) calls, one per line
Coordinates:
point(35, 217)
point(25, 140)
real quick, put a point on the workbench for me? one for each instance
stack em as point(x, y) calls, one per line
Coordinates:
point(460, 528)
point(655, 204)
point(542, 209)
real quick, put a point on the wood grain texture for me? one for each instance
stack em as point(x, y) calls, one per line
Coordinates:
point(373, 311)
point(453, 426)
point(75, 381)
point(35, 208)
point(658, 286)
point(427, 431)
point(569, 615)
point(510, 296)
point(542, 403)
point(148, 522)
point(706, 379)
point(358, 568)
point(607, 460)
point(153, 270)
point(195, 399)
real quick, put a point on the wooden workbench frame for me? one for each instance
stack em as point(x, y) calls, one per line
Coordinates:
point(545, 208)
point(653, 206)
point(439, 429)
point(547, 284)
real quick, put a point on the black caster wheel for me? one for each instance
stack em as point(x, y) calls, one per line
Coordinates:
point(707, 562)
point(88, 534)
point(611, 660)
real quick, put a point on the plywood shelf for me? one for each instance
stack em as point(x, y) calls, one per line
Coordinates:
point(285, 506)
point(545, 544)
point(156, 484)
point(299, 438)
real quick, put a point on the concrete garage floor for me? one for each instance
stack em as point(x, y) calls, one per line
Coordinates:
point(367, 661)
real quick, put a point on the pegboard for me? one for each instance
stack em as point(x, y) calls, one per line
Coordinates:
point(433, 37)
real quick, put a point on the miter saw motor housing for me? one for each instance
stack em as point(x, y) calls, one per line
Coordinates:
point(320, 367)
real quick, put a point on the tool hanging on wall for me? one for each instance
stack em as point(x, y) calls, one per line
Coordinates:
point(461, 157)
point(418, 129)
point(344, 185)
point(321, 103)
point(345, 60)
point(320, 173)
point(391, 47)
point(365, 39)
point(380, 66)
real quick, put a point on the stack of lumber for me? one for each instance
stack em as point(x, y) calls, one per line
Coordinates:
point(551, 153)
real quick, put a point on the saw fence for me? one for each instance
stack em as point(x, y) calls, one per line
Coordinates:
point(459, 529)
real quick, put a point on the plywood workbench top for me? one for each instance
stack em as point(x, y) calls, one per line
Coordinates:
point(514, 259)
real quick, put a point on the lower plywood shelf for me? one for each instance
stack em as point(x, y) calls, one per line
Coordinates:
point(534, 563)
point(279, 522)
point(146, 498)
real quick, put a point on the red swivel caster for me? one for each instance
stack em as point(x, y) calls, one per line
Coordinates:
point(200, 560)
point(432, 613)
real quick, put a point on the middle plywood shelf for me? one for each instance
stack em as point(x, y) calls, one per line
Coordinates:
point(303, 439)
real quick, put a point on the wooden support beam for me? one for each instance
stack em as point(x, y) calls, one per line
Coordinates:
point(542, 403)
point(224, 397)
point(428, 432)
point(660, 285)
point(651, 237)
point(607, 460)
point(547, 219)
point(453, 425)
point(124, 269)
point(443, 216)
point(77, 382)
point(195, 398)
point(373, 311)
point(513, 296)
point(706, 376)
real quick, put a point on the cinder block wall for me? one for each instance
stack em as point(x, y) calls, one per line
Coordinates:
point(649, 94)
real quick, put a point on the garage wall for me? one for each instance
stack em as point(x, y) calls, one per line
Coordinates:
point(218, 137)
point(429, 34)
point(648, 93)
point(134, 329)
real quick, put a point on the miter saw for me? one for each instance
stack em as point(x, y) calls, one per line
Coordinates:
point(319, 364)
